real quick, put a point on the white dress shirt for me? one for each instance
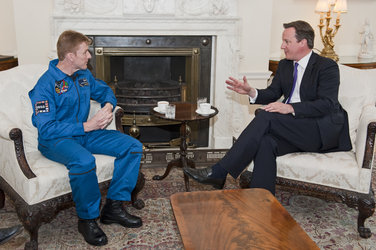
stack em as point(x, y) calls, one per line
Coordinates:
point(301, 68)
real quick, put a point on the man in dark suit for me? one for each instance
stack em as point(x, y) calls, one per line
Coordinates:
point(309, 119)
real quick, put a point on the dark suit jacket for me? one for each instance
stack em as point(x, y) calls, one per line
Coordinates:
point(319, 99)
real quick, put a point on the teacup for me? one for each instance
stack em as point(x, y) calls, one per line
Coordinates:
point(205, 107)
point(162, 106)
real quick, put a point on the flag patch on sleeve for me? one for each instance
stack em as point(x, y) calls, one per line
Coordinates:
point(42, 107)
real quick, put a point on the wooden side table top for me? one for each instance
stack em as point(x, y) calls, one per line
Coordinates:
point(236, 219)
point(7, 62)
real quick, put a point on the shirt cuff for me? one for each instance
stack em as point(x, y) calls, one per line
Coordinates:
point(253, 100)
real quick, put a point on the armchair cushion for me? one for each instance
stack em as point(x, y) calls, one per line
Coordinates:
point(323, 169)
point(52, 177)
point(356, 90)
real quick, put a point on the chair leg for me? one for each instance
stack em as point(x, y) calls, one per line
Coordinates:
point(2, 198)
point(33, 243)
point(366, 208)
point(245, 179)
point(137, 203)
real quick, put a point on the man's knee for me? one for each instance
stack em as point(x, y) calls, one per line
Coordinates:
point(265, 115)
point(130, 146)
point(135, 145)
point(82, 164)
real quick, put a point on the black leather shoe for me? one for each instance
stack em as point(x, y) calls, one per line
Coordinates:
point(113, 212)
point(203, 175)
point(7, 234)
point(92, 233)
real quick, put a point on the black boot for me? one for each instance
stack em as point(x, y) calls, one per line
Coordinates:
point(113, 212)
point(92, 233)
point(8, 233)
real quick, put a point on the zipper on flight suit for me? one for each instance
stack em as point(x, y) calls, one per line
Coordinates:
point(74, 77)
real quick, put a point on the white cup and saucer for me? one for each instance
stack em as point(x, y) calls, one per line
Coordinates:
point(205, 109)
point(161, 107)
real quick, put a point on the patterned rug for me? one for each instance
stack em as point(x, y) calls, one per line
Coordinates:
point(330, 225)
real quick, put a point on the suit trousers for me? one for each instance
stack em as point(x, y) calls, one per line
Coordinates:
point(267, 136)
point(76, 153)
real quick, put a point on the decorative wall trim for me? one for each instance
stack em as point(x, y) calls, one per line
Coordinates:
point(264, 75)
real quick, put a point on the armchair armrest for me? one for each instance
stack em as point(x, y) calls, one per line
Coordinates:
point(365, 137)
point(16, 135)
point(116, 121)
point(9, 131)
point(119, 113)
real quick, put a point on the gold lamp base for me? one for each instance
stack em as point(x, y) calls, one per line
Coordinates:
point(329, 53)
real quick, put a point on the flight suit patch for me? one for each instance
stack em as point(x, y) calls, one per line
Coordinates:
point(41, 107)
point(83, 82)
point(61, 87)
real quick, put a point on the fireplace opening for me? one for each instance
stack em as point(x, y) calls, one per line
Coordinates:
point(144, 70)
point(143, 81)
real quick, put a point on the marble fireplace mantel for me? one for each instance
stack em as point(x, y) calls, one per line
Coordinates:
point(217, 18)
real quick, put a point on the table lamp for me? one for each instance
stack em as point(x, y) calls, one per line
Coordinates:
point(329, 7)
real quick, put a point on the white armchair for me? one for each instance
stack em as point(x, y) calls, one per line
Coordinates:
point(339, 176)
point(38, 187)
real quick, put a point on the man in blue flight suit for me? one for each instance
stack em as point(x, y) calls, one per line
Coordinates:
point(61, 103)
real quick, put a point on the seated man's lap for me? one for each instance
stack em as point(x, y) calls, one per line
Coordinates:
point(70, 152)
point(302, 133)
point(111, 142)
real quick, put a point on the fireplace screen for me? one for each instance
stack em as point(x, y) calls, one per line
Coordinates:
point(144, 70)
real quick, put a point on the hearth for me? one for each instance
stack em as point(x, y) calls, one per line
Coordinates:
point(143, 70)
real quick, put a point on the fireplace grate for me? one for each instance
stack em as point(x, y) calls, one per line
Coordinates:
point(139, 97)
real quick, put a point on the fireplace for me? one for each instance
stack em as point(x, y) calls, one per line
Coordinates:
point(139, 24)
point(143, 70)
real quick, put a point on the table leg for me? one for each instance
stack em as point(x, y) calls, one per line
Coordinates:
point(183, 153)
point(173, 163)
point(182, 162)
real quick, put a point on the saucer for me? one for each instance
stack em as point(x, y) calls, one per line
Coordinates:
point(156, 109)
point(211, 111)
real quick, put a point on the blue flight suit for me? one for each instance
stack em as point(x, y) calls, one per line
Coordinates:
point(61, 105)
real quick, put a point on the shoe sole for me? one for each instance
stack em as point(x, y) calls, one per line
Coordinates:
point(107, 222)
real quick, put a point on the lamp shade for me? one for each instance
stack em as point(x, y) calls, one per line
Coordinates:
point(341, 6)
point(322, 6)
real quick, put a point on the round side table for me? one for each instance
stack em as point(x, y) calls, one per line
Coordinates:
point(185, 112)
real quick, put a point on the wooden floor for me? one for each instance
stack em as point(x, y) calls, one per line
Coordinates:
point(236, 219)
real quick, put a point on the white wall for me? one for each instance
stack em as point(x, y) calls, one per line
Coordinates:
point(7, 33)
point(33, 31)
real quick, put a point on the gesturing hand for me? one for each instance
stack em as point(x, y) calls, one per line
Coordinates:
point(241, 87)
point(100, 120)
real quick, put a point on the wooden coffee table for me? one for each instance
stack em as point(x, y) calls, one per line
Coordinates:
point(236, 219)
